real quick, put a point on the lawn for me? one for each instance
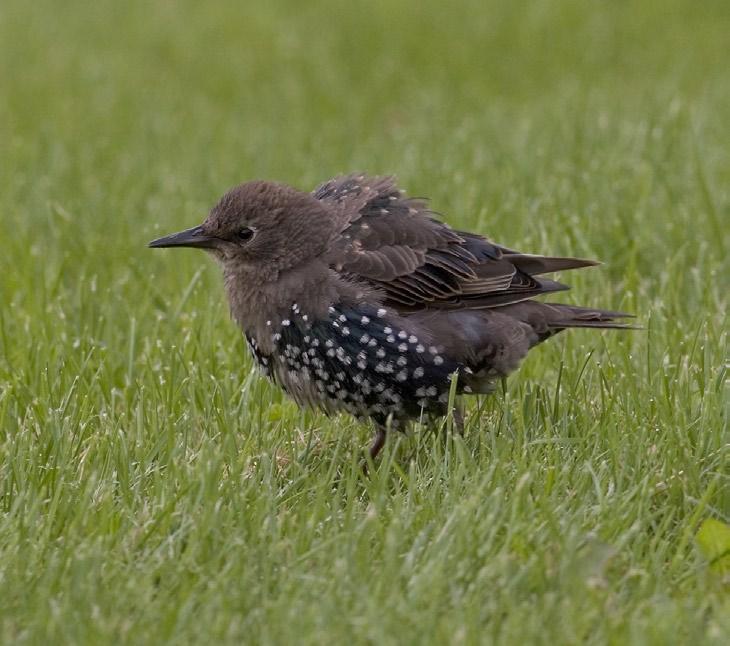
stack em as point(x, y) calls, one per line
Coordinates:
point(153, 489)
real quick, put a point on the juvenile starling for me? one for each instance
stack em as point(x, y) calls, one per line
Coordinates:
point(356, 298)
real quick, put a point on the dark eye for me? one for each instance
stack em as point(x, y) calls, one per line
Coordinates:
point(245, 234)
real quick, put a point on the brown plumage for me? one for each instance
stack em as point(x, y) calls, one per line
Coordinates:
point(356, 298)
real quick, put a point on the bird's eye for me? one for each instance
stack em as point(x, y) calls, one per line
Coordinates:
point(245, 234)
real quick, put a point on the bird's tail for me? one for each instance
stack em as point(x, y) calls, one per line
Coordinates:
point(547, 319)
point(565, 316)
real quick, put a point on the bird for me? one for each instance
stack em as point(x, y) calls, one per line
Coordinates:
point(358, 298)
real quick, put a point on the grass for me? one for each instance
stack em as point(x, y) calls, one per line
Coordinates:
point(154, 490)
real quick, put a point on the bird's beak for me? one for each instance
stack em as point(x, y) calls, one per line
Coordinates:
point(189, 238)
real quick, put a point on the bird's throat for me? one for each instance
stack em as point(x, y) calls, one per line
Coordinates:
point(255, 301)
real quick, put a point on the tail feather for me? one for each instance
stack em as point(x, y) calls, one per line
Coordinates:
point(536, 265)
point(606, 325)
point(565, 316)
point(547, 319)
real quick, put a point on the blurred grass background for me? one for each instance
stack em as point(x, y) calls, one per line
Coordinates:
point(153, 490)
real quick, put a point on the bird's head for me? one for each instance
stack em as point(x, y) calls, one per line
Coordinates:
point(261, 227)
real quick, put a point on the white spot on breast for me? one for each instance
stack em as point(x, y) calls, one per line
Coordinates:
point(420, 348)
point(402, 347)
point(438, 360)
point(413, 339)
point(286, 322)
point(382, 313)
point(402, 375)
point(418, 372)
point(380, 353)
point(387, 330)
point(402, 334)
point(364, 320)
point(390, 338)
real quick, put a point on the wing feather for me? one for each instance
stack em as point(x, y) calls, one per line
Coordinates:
point(396, 244)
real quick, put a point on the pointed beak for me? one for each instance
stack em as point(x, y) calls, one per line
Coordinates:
point(189, 238)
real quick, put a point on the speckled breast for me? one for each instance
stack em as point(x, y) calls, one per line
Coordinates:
point(359, 361)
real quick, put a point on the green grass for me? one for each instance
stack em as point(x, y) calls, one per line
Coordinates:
point(153, 489)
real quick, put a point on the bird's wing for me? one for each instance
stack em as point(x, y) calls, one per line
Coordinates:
point(396, 244)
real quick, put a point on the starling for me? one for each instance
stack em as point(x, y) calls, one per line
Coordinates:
point(356, 298)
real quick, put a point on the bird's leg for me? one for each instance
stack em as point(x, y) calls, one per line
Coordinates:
point(458, 415)
point(375, 447)
point(378, 442)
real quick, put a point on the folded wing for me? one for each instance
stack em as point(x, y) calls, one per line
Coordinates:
point(396, 244)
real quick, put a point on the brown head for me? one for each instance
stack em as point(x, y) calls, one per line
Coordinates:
point(271, 241)
point(262, 229)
